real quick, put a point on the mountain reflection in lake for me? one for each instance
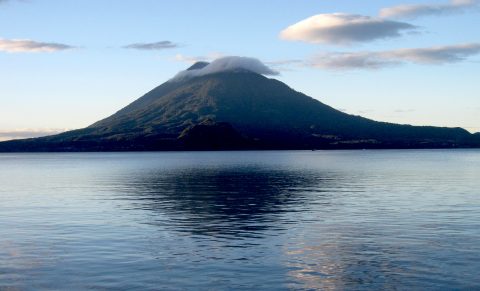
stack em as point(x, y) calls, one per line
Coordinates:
point(233, 202)
point(326, 220)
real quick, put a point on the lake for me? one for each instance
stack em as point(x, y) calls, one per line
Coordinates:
point(270, 220)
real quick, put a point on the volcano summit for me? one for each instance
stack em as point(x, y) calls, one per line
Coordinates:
point(229, 104)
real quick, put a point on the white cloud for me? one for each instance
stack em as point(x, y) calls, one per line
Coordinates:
point(26, 45)
point(416, 10)
point(340, 28)
point(225, 64)
point(380, 59)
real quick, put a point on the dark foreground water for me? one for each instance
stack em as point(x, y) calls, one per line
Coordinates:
point(340, 220)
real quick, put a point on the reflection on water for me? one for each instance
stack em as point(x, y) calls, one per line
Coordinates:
point(228, 201)
point(347, 220)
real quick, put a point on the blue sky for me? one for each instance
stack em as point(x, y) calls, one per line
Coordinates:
point(420, 67)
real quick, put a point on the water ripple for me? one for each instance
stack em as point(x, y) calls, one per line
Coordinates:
point(326, 220)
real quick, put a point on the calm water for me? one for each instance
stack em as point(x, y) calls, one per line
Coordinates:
point(330, 220)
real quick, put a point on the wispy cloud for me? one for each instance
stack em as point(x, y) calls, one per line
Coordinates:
point(189, 59)
point(350, 61)
point(437, 55)
point(285, 62)
point(5, 1)
point(28, 133)
point(365, 111)
point(26, 46)
point(193, 59)
point(340, 29)
point(285, 65)
point(380, 59)
point(401, 111)
point(416, 10)
point(159, 45)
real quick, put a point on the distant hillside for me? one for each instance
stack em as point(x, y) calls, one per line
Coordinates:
point(238, 109)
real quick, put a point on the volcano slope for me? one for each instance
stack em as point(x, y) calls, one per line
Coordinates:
point(238, 109)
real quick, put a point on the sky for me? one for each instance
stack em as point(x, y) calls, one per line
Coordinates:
point(65, 64)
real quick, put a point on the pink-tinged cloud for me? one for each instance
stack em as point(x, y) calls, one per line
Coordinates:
point(380, 59)
point(417, 10)
point(341, 29)
point(28, 46)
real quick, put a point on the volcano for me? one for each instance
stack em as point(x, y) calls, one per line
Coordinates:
point(220, 107)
